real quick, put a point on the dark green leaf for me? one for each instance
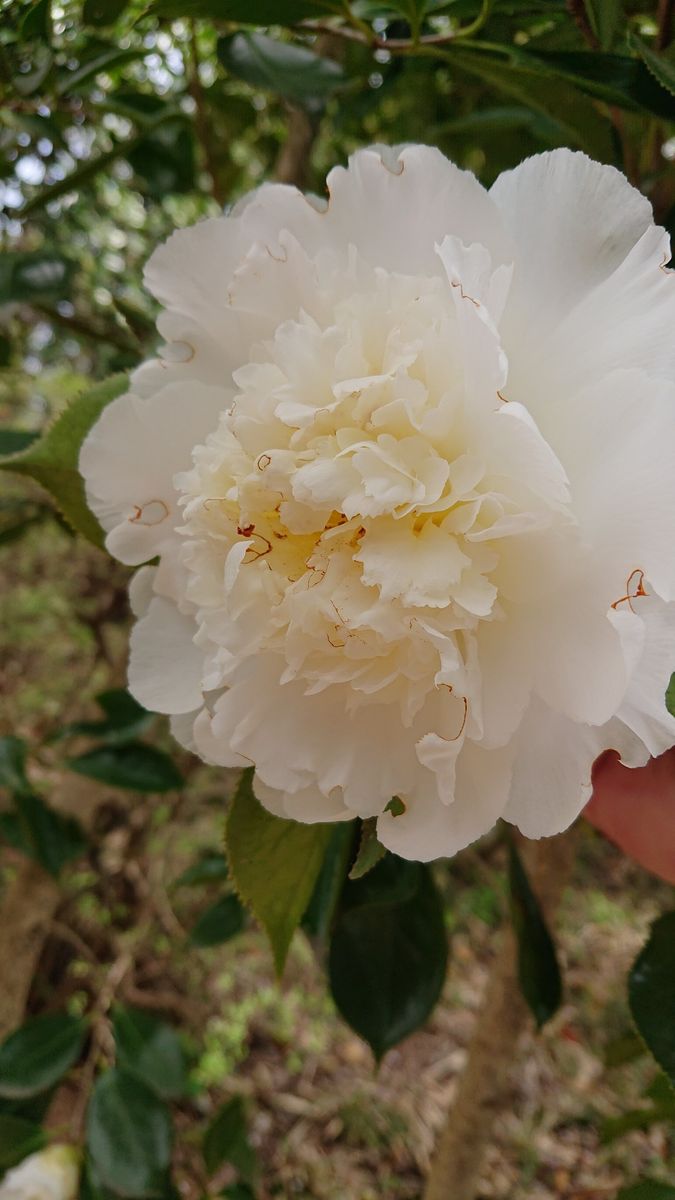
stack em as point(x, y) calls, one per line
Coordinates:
point(670, 696)
point(128, 1136)
point(102, 12)
point(649, 1189)
point(18, 1139)
point(50, 838)
point(18, 516)
point(222, 921)
point(651, 993)
point(606, 18)
point(526, 81)
point(238, 1191)
point(37, 22)
point(274, 864)
point(615, 78)
point(226, 1141)
point(248, 12)
point(28, 82)
point(661, 66)
point(131, 765)
point(13, 440)
point(150, 1049)
point(388, 953)
point(13, 764)
point(638, 1118)
point(33, 275)
point(52, 459)
point(318, 918)
point(38, 1055)
point(285, 69)
point(210, 868)
point(538, 969)
point(165, 159)
point(124, 720)
point(624, 1049)
point(106, 58)
point(370, 850)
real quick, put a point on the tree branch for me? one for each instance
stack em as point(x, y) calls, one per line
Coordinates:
point(481, 1096)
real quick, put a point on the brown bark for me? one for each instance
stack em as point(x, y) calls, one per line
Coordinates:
point(483, 1087)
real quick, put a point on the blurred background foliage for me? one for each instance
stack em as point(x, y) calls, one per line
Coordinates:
point(118, 122)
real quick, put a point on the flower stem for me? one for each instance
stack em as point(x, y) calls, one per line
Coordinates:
point(483, 1086)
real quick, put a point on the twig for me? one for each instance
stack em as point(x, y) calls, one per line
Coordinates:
point(202, 124)
point(93, 332)
point(664, 19)
point(480, 1098)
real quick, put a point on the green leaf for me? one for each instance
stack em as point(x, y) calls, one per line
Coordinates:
point(124, 720)
point(39, 1053)
point(280, 67)
point(538, 970)
point(105, 58)
point(128, 1136)
point(13, 440)
point(638, 1118)
point(370, 850)
point(102, 12)
point(527, 82)
point(150, 1049)
point(52, 460)
point(210, 868)
point(18, 516)
point(34, 275)
point(13, 764)
point(388, 953)
point(615, 78)
point(320, 913)
point(606, 18)
point(50, 838)
point(670, 696)
point(623, 1049)
point(18, 1139)
point(165, 159)
point(649, 1189)
point(661, 66)
point(37, 22)
point(222, 921)
point(226, 1141)
point(247, 12)
point(131, 765)
point(651, 993)
point(274, 864)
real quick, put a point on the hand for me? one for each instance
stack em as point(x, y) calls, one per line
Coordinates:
point(635, 809)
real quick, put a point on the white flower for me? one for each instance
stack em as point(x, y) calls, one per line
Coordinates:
point(51, 1174)
point(408, 461)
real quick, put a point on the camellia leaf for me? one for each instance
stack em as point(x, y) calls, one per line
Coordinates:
point(285, 69)
point(131, 765)
point(388, 952)
point(18, 1139)
point(13, 764)
point(128, 1136)
point(226, 1141)
point(52, 459)
point(13, 440)
point(538, 970)
point(670, 696)
point(210, 868)
point(370, 850)
point(222, 921)
point(274, 864)
point(102, 12)
point(150, 1048)
point(123, 719)
point(320, 913)
point(248, 12)
point(525, 80)
point(651, 993)
point(661, 66)
point(38, 1054)
point(606, 17)
point(49, 837)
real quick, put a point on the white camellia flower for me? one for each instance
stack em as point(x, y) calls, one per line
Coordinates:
point(407, 459)
point(51, 1174)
